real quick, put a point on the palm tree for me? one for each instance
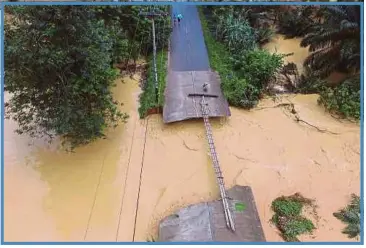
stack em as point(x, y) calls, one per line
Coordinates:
point(334, 42)
point(350, 215)
point(297, 21)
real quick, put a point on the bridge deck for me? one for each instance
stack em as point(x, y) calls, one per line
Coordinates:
point(205, 222)
point(188, 70)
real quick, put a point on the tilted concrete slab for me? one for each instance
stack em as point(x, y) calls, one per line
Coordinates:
point(205, 222)
point(179, 106)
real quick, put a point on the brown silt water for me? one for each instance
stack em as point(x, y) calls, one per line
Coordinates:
point(119, 188)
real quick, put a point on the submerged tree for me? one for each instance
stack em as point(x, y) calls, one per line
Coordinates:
point(58, 73)
point(59, 69)
point(335, 42)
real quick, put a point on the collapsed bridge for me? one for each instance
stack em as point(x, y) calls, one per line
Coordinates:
point(193, 90)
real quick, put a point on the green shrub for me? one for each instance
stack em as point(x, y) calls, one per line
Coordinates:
point(244, 72)
point(288, 219)
point(258, 66)
point(295, 227)
point(148, 98)
point(264, 35)
point(237, 91)
point(288, 207)
point(351, 215)
point(238, 35)
point(240, 94)
point(344, 99)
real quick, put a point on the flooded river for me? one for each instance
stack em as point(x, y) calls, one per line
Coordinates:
point(70, 196)
point(152, 169)
point(281, 45)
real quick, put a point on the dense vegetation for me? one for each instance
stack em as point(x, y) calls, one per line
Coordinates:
point(332, 34)
point(351, 215)
point(232, 44)
point(61, 60)
point(148, 99)
point(61, 66)
point(288, 219)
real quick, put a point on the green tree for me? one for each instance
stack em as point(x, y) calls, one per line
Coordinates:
point(298, 21)
point(137, 27)
point(58, 72)
point(335, 42)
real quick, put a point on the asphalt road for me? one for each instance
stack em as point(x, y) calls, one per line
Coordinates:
point(188, 49)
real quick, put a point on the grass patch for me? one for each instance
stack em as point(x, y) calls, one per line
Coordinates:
point(288, 218)
point(350, 215)
point(148, 99)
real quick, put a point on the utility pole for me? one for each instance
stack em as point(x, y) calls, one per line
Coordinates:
point(152, 15)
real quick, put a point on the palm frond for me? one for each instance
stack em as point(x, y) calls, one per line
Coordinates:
point(351, 215)
point(338, 12)
point(334, 42)
point(352, 230)
point(346, 24)
point(322, 61)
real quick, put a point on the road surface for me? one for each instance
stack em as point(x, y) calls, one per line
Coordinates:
point(189, 69)
point(188, 51)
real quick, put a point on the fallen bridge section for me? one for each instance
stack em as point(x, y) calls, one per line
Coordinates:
point(205, 222)
point(180, 105)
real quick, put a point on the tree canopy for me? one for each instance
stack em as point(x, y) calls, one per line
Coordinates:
point(335, 42)
point(59, 66)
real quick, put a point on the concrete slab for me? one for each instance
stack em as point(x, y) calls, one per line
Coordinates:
point(179, 106)
point(206, 221)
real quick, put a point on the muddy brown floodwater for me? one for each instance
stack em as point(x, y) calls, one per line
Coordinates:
point(281, 45)
point(152, 169)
